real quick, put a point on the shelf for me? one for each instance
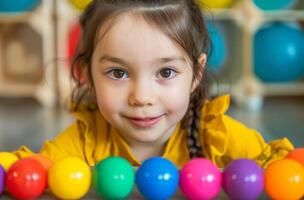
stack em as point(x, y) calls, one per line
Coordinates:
point(285, 15)
point(224, 14)
point(17, 89)
point(283, 89)
point(15, 17)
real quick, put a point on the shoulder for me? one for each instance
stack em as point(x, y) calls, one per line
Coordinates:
point(86, 120)
point(83, 112)
point(216, 106)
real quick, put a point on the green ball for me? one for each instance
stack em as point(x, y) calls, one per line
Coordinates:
point(113, 178)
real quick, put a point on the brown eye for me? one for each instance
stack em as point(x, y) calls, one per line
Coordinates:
point(167, 73)
point(117, 74)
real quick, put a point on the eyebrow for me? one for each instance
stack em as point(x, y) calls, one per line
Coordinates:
point(158, 60)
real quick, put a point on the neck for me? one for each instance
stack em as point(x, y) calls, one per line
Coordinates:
point(143, 152)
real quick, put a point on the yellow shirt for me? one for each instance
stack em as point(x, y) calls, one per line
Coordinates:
point(222, 138)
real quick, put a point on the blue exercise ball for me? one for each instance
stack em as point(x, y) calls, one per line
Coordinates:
point(157, 178)
point(218, 48)
point(274, 4)
point(18, 5)
point(279, 52)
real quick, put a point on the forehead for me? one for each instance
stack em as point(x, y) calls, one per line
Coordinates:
point(132, 37)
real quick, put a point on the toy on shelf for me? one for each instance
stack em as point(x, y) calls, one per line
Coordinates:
point(274, 5)
point(9, 6)
point(214, 4)
point(79, 4)
point(218, 51)
point(279, 52)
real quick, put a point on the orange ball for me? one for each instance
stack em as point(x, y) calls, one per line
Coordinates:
point(284, 179)
point(47, 163)
point(297, 154)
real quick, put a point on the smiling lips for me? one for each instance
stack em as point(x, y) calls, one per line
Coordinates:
point(144, 122)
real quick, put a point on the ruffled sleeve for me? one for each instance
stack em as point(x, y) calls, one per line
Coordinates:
point(76, 140)
point(224, 139)
point(23, 152)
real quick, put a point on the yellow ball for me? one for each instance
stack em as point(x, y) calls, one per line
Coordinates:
point(69, 178)
point(7, 159)
point(207, 4)
point(80, 4)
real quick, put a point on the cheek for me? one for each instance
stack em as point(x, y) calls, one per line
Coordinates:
point(178, 100)
point(109, 100)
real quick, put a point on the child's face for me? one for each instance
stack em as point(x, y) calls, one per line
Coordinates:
point(142, 80)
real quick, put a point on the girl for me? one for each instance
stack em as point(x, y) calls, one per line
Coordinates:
point(142, 91)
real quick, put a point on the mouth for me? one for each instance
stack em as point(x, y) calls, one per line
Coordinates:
point(145, 122)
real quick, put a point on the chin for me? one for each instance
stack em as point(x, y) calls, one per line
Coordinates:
point(146, 139)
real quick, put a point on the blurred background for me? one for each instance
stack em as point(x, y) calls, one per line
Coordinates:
point(257, 56)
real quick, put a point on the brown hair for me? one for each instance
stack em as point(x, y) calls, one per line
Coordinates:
point(180, 20)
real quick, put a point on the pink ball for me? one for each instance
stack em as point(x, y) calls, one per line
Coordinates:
point(200, 179)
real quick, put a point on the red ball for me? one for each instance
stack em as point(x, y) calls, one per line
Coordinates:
point(297, 154)
point(26, 179)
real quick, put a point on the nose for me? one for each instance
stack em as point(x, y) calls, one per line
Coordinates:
point(141, 94)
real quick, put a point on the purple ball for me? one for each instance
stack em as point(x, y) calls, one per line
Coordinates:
point(2, 176)
point(243, 179)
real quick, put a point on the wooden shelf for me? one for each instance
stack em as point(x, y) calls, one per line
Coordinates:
point(15, 89)
point(283, 89)
point(15, 17)
point(224, 14)
point(39, 22)
point(249, 88)
point(285, 15)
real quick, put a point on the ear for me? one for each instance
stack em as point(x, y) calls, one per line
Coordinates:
point(202, 62)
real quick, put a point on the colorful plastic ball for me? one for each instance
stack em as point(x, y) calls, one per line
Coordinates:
point(284, 179)
point(274, 5)
point(69, 178)
point(7, 159)
point(217, 52)
point(46, 163)
point(279, 53)
point(209, 4)
point(18, 6)
point(200, 179)
point(80, 4)
point(2, 178)
point(113, 178)
point(243, 179)
point(26, 179)
point(297, 154)
point(157, 178)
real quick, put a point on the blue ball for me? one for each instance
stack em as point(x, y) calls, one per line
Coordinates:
point(217, 52)
point(279, 53)
point(18, 5)
point(157, 178)
point(274, 5)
